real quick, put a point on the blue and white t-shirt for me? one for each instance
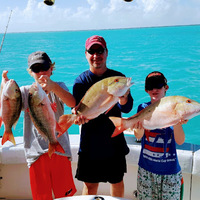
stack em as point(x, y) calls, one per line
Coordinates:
point(158, 154)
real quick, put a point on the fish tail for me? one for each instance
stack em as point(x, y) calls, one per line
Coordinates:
point(8, 136)
point(118, 122)
point(55, 147)
point(65, 121)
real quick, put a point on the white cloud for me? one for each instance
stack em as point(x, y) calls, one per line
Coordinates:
point(100, 14)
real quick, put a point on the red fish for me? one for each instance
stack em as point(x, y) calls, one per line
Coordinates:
point(166, 112)
point(43, 117)
point(10, 106)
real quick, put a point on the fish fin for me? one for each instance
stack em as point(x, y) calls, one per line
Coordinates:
point(14, 125)
point(51, 150)
point(54, 107)
point(118, 122)
point(55, 147)
point(107, 101)
point(65, 121)
point(109, 109)
point(8, 137)
point(58, 129)
point(59, 148)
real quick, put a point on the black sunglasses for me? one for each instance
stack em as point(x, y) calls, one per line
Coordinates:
point(154, 86)
point(98, 51)
point(38, 68)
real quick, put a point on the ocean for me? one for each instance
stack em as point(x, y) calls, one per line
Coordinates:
point(135, 52)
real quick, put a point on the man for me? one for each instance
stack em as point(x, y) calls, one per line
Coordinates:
point(101, 158)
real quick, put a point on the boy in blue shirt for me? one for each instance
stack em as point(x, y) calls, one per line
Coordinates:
point(159, 173)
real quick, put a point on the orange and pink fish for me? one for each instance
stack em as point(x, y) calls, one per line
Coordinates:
point(10, 109)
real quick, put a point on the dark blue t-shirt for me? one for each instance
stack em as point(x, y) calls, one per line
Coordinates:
point(96, 141)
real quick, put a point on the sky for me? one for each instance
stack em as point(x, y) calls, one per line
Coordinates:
point(34, 15)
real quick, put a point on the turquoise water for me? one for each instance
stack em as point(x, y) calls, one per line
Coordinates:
point(135, 52)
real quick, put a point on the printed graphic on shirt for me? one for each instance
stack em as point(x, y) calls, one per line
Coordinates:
point(157, 145)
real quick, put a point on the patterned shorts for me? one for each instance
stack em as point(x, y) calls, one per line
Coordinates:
point(152, 186)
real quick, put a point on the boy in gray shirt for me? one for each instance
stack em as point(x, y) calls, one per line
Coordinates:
point(46, 174)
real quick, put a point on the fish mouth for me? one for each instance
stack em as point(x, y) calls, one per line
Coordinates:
point(129, 83)
point(33, 89)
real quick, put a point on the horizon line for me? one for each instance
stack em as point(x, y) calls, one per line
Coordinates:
point(71, 30)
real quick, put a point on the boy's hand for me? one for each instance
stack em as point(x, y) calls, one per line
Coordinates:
point(182, 121)
point(4, 78)
point(138, 130)
point(138, 125)
point(46, 83)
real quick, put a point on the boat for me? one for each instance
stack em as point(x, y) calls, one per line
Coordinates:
point(92, 197)
point(14, 175)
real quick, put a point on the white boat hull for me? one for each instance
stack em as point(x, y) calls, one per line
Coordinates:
point(14, 175)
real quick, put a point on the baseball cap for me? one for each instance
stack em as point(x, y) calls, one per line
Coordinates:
point(155, 80)
point(39, 57)
point(95, 39)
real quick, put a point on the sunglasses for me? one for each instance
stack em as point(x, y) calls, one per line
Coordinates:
point(38, 68)
point(151, 87)
point(97, 51)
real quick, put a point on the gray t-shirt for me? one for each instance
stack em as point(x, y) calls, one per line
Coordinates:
point(35, 145)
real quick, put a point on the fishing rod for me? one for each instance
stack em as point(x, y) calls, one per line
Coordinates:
point(5, 32)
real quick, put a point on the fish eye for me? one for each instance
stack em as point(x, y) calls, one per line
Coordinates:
point(188, 101)
point(116, 80)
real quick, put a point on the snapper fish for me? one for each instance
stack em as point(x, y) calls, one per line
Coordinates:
point(43, 117)
point(168, 111)
point(99, 98)
point(10, 109)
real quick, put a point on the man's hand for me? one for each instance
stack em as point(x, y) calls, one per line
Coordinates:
point(123, 99)
point(80, 118)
